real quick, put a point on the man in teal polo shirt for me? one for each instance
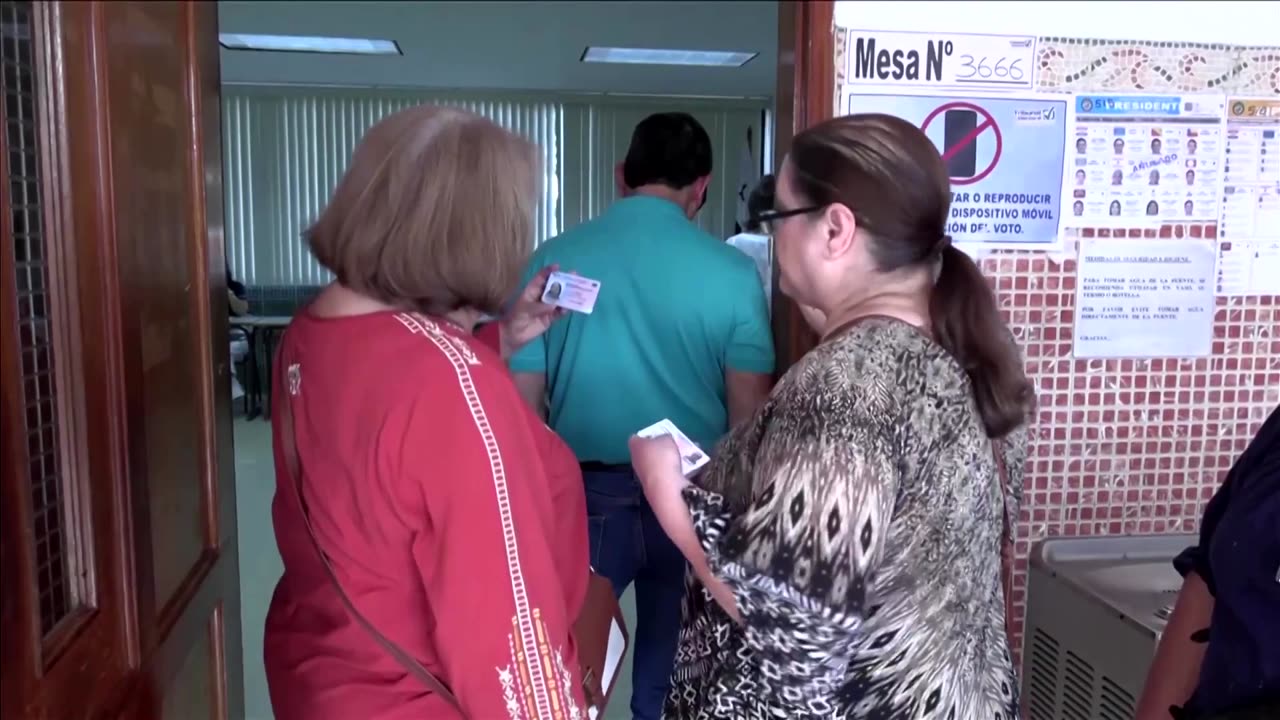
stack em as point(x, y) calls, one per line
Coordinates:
point(680, 330)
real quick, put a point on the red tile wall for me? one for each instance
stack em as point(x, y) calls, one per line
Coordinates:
point(1128, 446)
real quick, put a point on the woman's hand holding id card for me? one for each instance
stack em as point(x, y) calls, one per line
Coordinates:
point(571, 292)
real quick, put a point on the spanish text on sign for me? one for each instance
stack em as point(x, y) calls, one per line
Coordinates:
point(1004, 157)
point(1144, 298)
point(1144, 160)
point(899, 64)
point(940, 60)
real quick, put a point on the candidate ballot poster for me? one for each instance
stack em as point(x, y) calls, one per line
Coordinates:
point(1004, 156)
point(1144, 298)
point(1144, 160)
point(1249, 231)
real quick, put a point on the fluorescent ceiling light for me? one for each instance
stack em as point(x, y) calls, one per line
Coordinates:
point(643, 56)
point(307, 43)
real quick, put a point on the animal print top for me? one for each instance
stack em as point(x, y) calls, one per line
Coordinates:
point(857, 520)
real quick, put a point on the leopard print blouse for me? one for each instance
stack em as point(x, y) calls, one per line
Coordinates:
point(857, 520)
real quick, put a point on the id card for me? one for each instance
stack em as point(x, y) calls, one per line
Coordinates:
point(571, 292)
point(691, 456)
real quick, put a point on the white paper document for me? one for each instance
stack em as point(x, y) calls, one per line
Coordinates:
point(1249, 267)
point(1004, 156)
point(933, 60)
point(1249, 231)
point(691, 456)
point(571, 292)
point(1144, 160)
point(1145, 298)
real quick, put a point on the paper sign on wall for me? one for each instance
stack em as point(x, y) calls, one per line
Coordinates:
point(1144, 160)
point(1004, 156)
point(940, 60)
point(1144, 298)
point(1249, 231)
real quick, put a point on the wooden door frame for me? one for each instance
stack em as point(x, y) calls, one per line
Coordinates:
point(80, 662)
point(120, 648)
point(805, 96)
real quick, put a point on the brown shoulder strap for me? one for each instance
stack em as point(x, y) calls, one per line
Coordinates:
point(284, 396)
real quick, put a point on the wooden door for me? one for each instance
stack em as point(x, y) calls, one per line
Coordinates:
point(120, 594)
point(805, 96)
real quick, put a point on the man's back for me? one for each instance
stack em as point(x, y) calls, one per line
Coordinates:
point(676, 309)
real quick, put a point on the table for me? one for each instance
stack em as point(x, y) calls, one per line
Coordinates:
point(266, 326)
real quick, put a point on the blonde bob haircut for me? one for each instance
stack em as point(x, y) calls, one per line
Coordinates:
point(435, 213)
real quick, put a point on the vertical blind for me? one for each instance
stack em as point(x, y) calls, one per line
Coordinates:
point(284, 152)
point(285, 149)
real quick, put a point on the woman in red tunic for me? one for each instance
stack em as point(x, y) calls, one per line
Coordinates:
point(454, 520)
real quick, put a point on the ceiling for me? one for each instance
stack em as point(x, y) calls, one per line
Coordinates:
point(1220, 21)
point(511, 45)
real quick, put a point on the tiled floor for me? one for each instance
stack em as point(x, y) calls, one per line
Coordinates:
point(259, 561)
point(260, 567)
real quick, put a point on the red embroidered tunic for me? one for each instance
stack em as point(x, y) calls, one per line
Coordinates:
point(454, 518)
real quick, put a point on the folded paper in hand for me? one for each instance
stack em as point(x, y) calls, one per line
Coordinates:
point(691, 456)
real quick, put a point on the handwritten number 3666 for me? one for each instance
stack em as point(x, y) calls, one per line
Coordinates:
point(1000, 70)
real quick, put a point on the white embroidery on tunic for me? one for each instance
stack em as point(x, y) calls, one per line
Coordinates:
point(295, 378)
point(530, 684)
point(433, 330)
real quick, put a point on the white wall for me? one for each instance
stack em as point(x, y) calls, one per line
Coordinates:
point(1227, 22)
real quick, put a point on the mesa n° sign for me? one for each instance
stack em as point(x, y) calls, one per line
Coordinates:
point(887, 58)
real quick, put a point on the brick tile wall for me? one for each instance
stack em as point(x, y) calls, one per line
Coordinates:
point(1132, 446)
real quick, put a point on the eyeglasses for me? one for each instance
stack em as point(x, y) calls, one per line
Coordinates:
point(769, 219)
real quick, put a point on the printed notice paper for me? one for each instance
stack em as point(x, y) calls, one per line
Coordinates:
point(1004, 157)
point(1249, 231)
point(571, 292)
point(1249, 267)
point(1144, 298)
point(940, 60)
point(691, 456)
point(1144, 160)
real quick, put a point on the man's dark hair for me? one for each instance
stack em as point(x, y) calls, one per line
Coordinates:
point(671, 149)
point(761, 198)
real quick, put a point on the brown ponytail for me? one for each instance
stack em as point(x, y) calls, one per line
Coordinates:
point(967, 322)
point(890, 175)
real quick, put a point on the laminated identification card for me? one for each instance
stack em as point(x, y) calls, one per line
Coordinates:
point(571, 292)
point(691, 456)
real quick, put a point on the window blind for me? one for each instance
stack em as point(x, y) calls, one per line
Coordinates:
point(285, 150)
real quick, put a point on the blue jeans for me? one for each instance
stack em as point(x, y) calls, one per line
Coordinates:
point(628, 544)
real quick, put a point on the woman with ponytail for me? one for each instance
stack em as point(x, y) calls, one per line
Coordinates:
point(846, 543)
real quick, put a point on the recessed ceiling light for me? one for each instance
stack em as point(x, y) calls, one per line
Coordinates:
point(307, 43)
point(644, 56)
